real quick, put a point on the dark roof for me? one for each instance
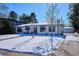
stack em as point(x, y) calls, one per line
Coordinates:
point(11, 20)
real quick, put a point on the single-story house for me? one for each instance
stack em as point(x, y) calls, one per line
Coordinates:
point(40, 28)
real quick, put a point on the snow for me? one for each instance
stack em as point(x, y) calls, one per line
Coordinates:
point(11, 43)
point(40, 44)
point(7, 36)
point(71, 36)
point(44, 23)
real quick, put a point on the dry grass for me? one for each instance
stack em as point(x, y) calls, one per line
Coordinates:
point(71, 48)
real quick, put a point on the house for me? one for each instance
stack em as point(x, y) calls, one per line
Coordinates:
point(7, 25)
point(68, 29)
point(12, 22)
point(40, 28)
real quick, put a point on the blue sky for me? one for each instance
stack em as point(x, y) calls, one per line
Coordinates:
point(39, 9)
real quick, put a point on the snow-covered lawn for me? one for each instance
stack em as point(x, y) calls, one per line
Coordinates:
point(11, 43)
point(40, 44)
point(71, 36)
point(7, 36)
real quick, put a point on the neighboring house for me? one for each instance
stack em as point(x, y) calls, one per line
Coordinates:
point(68, 29)
point(7, 25)
point(12, 22)
point(40, 28)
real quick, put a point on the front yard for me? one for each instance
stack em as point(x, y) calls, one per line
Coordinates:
point(39, 45)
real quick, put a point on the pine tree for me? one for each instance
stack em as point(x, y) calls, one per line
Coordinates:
point(28, 19)
point(74, 16)
point(13, 15)
point(24, 18)
point(5, 27)
point(33, 17)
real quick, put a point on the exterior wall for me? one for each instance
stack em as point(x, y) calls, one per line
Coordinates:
point(23, 29)
point(39, 32)
point(31, 29)
point(38, 29)
point(58, 29)
point(47, 29)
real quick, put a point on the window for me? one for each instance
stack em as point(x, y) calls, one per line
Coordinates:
point(27, 28)
point(54, 28)
point(19, 29)
point(42, 29)
point(50, 29)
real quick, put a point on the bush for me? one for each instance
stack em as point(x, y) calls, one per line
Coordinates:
point(6, 28)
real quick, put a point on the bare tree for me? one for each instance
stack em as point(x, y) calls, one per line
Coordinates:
point(51, 15)
point(34, 20)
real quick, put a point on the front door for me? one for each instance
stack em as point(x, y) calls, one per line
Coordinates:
point(35, 30)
